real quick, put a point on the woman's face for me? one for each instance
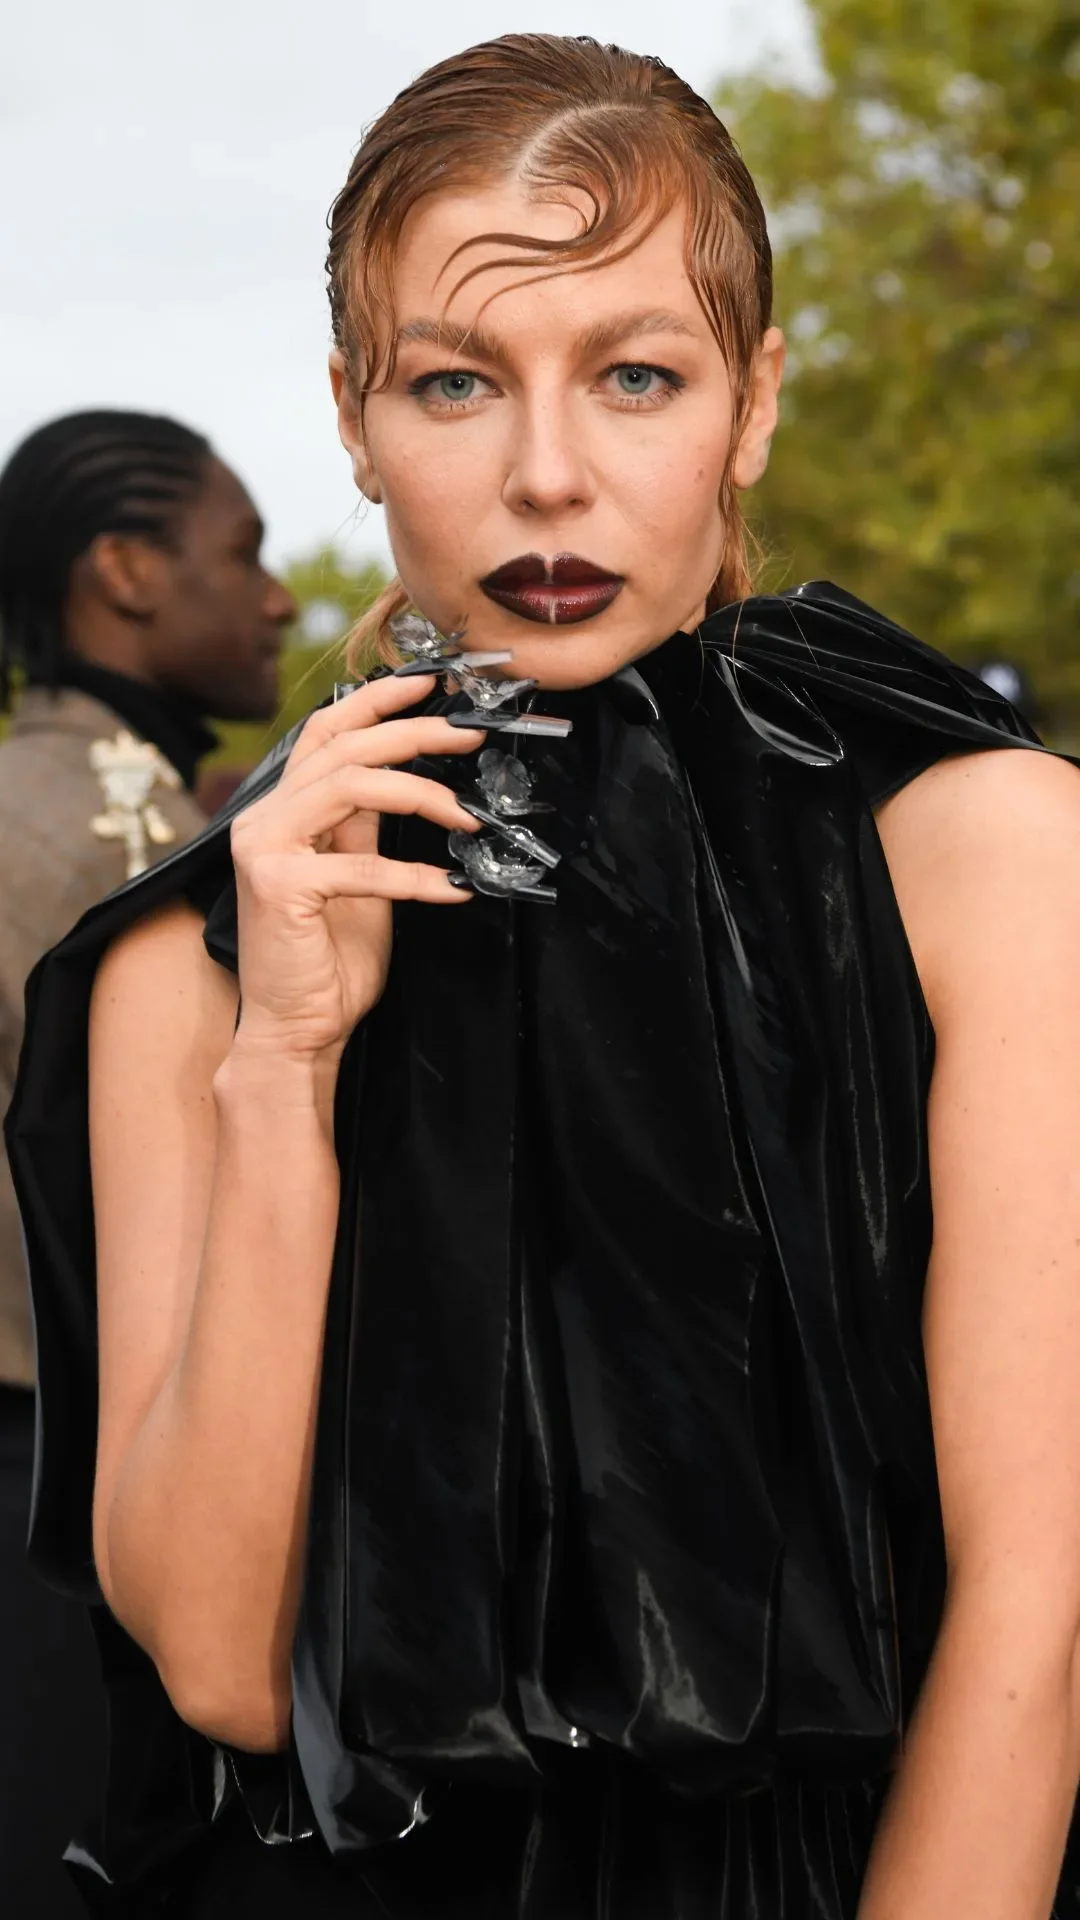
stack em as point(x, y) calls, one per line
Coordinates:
point(550, 451)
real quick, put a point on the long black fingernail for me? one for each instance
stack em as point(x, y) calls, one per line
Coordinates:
point(460, 882)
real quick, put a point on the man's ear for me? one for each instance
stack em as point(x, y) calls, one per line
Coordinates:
point(351, 428)
point(128, 573)
point(752, 457)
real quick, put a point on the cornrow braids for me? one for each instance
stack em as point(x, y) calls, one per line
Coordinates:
point(69, 481)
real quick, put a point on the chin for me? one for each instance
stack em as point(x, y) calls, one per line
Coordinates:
point(249, 709)
point(262, 711)
point(566, 658)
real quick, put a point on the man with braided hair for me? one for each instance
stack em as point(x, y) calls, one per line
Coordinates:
point(133, 604)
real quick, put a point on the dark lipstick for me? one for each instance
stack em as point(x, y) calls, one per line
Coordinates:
point(556, 593)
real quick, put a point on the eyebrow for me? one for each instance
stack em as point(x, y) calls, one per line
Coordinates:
point(453, 336)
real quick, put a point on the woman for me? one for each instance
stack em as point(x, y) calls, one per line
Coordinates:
point(515, 1486)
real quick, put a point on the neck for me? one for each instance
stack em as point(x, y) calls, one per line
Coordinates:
point(111, 645)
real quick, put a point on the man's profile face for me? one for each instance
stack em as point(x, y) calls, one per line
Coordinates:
point(216, 635)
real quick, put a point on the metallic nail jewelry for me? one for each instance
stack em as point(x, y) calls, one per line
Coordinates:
point(507, 860)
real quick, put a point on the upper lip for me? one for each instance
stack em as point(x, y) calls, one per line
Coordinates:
point(562, 570)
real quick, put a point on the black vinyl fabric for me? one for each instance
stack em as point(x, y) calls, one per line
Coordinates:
point(52, 1708)
point(625, 1555)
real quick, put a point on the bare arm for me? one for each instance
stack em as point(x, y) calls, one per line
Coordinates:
point(216, 1198)
point(986, 857)
point(215, 1189)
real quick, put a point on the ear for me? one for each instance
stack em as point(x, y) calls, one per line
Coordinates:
point(130, 574)
point(351, 428)
point(756, 438)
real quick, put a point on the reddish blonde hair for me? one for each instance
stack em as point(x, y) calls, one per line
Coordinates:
point(557, 114)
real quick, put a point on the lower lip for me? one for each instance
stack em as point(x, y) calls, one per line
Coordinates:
point(552, 606)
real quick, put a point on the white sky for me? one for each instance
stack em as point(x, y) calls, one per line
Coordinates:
point(165, 171)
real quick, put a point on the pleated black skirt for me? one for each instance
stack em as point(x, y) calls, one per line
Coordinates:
point(795, 1854)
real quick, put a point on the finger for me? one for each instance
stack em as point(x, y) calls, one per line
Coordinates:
point(387, 745)
point(300, 816)
point(318, 877)
point(364, 708)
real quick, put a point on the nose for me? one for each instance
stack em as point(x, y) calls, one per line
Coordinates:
point(546, 471)
point(279, 605)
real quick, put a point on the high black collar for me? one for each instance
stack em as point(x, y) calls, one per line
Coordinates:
point(169, 722)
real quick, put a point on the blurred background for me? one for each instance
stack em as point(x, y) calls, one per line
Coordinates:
point(168, 170)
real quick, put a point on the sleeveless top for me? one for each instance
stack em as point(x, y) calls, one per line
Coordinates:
point(625, 1556)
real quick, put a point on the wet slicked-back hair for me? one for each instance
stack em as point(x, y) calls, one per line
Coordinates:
point(557, 114)
point(71, 480)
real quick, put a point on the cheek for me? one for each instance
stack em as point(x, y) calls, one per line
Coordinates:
point(412, 488)
point(675, 496)
point(199, 604)
point(432, 513)
point(433, 501)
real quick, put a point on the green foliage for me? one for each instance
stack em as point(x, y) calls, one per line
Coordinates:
point(314, 655)
point(923, 206)
point(324, 580)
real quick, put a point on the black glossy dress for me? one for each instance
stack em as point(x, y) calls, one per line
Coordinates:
point(625, 1555)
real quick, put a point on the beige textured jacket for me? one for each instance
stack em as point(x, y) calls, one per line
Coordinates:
point(83, 804)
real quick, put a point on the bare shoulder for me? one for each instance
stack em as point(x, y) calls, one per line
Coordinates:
point(1007, 785)
point(159, 998)
point(984, 853)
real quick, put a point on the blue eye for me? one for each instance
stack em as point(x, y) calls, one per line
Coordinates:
point(635, 379)
point(446, 391)
point(455, 386)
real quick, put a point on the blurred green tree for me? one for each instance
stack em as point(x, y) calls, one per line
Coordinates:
point(330, 597)
point(922, 199)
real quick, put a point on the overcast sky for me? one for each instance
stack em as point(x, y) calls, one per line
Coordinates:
point(165, 171)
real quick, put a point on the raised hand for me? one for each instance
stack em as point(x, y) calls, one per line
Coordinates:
point(313, 892)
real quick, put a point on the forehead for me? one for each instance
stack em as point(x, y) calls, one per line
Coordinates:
point(222, 500)
point(438, 247)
